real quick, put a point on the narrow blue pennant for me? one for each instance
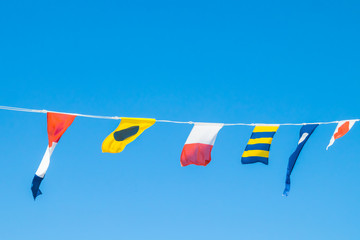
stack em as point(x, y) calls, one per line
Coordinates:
point(305, 133)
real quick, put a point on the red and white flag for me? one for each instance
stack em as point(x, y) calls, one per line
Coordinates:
point(341, 129)
point(198, 146)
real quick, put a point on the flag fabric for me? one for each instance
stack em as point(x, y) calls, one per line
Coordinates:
point(57, 123)
point(127, 131)
point(258, 147)
point(198, 146)
point(342, 128)
point(305, 133)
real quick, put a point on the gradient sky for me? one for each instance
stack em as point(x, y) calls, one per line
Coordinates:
point(211, 61)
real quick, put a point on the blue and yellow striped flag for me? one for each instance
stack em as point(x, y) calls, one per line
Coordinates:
point(258, 147)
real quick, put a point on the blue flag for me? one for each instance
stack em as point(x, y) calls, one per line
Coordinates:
point(305, 133)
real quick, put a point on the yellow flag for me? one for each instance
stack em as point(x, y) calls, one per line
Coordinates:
point(125, 133)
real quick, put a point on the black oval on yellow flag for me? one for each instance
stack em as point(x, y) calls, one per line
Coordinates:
point(125, 133)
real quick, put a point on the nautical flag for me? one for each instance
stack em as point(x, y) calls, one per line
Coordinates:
point(305, 133)
point(341, 129)
point(57, 123)
point(258, 147)
point(125, 133)
point(198, 146)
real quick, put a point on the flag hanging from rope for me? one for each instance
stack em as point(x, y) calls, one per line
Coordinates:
point(57, 123)
point(342, 128)
point(258, 147)
point(198, 146)
point(127, 131)
point(305, 133)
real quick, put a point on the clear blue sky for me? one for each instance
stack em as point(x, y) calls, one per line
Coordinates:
point(216, 61)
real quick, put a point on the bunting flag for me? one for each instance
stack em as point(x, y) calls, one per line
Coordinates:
point(258, 147)
point(305, 133)
point(198, 146)
point(342, 128)
point(127, 131)
point(57, 124)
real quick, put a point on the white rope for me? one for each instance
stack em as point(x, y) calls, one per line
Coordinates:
point(163, 121)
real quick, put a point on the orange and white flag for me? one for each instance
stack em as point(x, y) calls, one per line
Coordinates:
point(342, 128)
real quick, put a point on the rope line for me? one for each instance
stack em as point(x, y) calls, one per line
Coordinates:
point(163, 121)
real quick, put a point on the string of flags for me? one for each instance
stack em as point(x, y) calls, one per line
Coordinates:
point(197, 148)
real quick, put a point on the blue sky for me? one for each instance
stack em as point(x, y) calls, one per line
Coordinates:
point(214, 61)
